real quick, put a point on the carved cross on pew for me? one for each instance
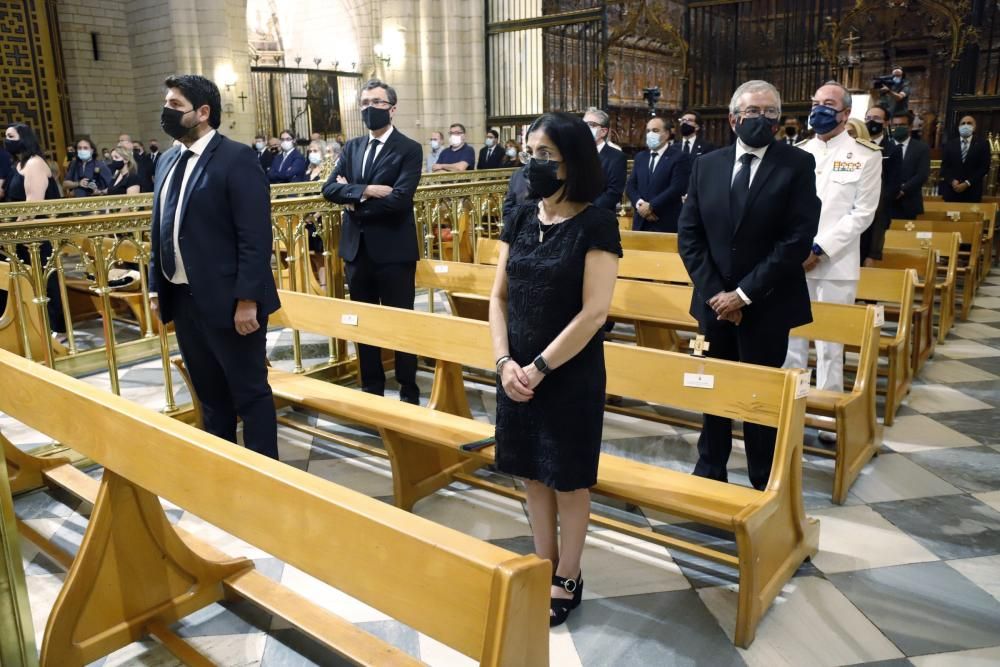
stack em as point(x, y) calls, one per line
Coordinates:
point(243, 101)
point(699, 346)
point(910, 226)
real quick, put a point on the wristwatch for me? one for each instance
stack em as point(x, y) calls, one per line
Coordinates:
point(541, 365)
point(816, 250)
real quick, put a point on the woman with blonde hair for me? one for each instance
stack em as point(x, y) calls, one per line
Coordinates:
point(124, 173)
point(319, 169)
point(856, 128)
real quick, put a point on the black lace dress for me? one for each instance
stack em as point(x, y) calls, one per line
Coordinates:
point(555, 438)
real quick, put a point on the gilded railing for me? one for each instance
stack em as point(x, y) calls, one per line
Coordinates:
point(90, 256)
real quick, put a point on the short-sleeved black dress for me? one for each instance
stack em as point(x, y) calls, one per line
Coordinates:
point(555, 438)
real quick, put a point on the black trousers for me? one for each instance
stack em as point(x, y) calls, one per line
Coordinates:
point(229, 374)
point(387, 285)
point(753, 343)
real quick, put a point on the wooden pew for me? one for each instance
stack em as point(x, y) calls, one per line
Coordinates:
point(988, 209)
point(657, 265)
point(135, 573)
point(968, 270)
point(924, 262)
point(771, 531)
point(946, 246)
point(655, 241)
point(659, 309)
point(894, 288)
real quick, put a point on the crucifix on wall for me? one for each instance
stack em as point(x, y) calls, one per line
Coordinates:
point(243, 101)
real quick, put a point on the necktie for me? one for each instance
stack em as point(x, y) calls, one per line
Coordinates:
point(167, 215)
point(741, 187)
point(370, 160)
point(687, 147)
point(965, 148)
point(652, 162)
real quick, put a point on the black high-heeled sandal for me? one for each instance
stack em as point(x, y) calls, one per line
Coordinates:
point(561, 607)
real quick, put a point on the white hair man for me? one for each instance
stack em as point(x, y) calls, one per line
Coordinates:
point(849, 183)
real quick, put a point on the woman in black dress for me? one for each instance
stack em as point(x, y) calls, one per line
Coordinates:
point(31, 180)
point(124, 173)
point(555, 276)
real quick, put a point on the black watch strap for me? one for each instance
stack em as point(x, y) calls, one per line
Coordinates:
point(541, 365)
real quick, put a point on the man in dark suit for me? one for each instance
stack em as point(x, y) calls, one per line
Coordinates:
point(747, 226)
point(916, 169)
point(491, 154)
point(264, 155)
point(691, 143)
point(375, 179)
point(210, 263)
point(873, 238)
point(659, 179)
point(613, 161)
point(965, 161)
point(790, 132)
point(288, 166)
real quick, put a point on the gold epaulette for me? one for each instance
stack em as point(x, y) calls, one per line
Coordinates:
point(867, 143)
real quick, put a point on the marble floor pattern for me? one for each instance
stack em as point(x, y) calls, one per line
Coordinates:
point(908, 571)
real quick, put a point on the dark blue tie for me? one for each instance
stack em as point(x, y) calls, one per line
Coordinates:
point(167, 215)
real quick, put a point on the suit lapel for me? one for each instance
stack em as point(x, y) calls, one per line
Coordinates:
point(386, 149)
point(199, 169)
point(358, 159)
point(757, 184)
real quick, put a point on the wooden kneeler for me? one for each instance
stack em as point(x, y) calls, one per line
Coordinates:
point(132, 574)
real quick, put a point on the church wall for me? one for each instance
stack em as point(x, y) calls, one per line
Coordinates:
point(441, 79)
point(101, 92)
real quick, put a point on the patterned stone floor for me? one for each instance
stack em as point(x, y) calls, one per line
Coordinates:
point(908, 572)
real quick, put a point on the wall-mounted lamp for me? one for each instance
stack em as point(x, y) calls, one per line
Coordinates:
point(382, 55)
point(227, 77)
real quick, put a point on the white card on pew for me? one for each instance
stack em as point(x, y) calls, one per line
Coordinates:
point(440, 268)
point(879, 315)
point(802, 384)
point(699, 380)
point(925, 235)
point(349, 319)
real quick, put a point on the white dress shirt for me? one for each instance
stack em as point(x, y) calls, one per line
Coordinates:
point(378, 149)
point(903, 146)
point(741, 149)
point(198, 147)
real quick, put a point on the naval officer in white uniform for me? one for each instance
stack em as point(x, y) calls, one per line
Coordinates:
point(848, 182)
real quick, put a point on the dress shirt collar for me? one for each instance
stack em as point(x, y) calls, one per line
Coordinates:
point(742, 148)
point(841, 139)
point(383, 138)
point(600, 146)
point(661, 149)
point(904, 143)
point(199, 146)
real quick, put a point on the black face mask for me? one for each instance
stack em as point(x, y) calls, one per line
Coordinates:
point(116, 165)
point(13, 146)
point(170, 121)
point(542, 179)
point(756, 132)
point(874, 127)
point(136, 152)
point(71, 154)
point(153, 148)
point(374, 119)
point(686, 130)
point(790, 131)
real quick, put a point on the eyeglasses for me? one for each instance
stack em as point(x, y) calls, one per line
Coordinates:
point(378, 104)
point(594, 125)
point(542, 157)
point(756, 112)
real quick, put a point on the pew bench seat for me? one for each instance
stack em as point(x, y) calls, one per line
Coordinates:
point(423, 444)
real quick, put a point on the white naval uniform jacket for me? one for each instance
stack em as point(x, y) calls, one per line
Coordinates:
point(848, 183)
